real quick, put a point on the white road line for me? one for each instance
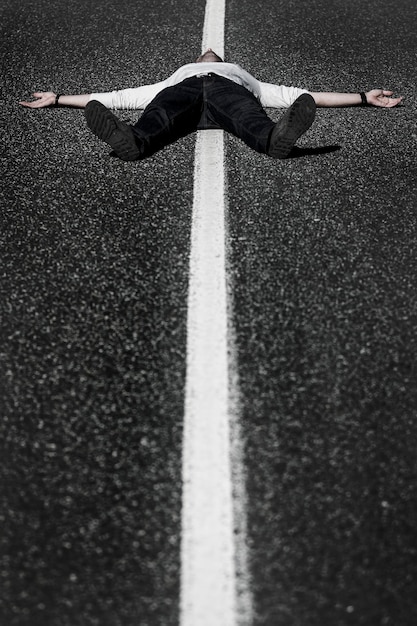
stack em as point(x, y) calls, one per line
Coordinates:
point(208, 570)
point(208, 564)
point(213, 29)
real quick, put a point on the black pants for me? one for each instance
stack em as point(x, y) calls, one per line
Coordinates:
point(209, 101)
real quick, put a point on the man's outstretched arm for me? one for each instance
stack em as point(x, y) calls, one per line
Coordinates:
point(49, 98)
point(132, 98)
point(375, 97)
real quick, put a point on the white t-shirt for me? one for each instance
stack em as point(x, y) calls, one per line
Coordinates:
point(269, 95)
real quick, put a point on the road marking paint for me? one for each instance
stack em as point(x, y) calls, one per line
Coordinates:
point(208, 567)
point(213, 29)
point(210, 595)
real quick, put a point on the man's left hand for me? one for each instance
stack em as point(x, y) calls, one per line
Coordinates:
point(382, 98)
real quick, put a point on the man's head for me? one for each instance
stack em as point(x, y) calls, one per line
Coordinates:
point(209, 57)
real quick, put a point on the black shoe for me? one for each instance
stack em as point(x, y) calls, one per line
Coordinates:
point(113, 131)
point(291, 126)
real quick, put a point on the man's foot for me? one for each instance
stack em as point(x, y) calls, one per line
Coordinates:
point(291, 126)
point(113, 131)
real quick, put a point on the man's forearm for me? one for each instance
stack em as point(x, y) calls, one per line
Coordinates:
point(51, 99)
point(374, 97)
point(333, 99)
point(79, 101)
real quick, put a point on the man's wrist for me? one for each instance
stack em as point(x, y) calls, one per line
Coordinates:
point(57, 97)
point(364, 100)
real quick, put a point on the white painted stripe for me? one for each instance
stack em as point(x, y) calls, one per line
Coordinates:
point(208, 564)
point(213, 29)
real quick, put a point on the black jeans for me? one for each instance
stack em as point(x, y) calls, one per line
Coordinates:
point(209, 101)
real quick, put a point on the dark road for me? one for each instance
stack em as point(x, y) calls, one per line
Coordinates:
point(322, 268)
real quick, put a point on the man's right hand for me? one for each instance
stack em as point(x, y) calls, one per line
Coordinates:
point(44, 99)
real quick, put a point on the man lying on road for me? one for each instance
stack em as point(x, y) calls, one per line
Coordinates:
point(206, 94)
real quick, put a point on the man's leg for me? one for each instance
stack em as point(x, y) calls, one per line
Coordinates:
point(172, 114)
point(297, 119)
point(238, 111)
point(117, 134)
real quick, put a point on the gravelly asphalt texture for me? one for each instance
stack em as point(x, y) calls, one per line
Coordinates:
point(324, 281)
point(94, 270)
point(94, 281)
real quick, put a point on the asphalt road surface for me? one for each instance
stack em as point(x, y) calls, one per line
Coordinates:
point(94, 273)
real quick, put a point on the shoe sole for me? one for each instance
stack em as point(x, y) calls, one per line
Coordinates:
point(291, 126)
point(111, 130)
